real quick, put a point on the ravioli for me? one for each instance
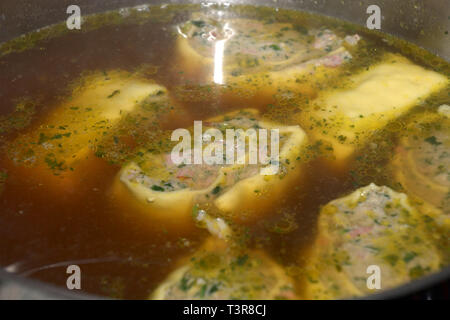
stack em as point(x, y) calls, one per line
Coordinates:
point(371, 226)
point(65, 138)
point(346, 117)
point(97, 103)
point(258, 56)
point(422, 163)
point(241, 191)
point(215, 272)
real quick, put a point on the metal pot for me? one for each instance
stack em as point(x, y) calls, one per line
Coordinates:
point(423, 22)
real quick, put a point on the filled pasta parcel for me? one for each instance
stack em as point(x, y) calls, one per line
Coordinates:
point(346, 116)
point(373, 227)
point(259, 56)
point(242, 191)
point(66, 139)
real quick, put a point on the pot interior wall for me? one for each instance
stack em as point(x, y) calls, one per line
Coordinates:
point(425, 23)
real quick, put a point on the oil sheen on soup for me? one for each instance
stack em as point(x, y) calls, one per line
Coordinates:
point(360, 122)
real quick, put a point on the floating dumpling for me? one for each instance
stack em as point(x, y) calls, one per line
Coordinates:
point(373, 226)
point(346, 117)
point(128, 144)
point(95, 106)
point(65, 137)
point(215, 272)
point(422, 163)
point(242, 190)
point(261, 57)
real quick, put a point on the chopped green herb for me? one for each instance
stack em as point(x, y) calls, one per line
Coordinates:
point(391, 259)
point(409, 256)
point(241, 260)
point(157, 188)
point(416, 272)
point(115, 92)
point(216, 190)
point(198, 23)
point(275, 47)
point(432, 140)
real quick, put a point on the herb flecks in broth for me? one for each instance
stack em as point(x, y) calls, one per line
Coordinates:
point(86, 172)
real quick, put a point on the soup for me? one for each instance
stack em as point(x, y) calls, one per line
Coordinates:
point(348, 130)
